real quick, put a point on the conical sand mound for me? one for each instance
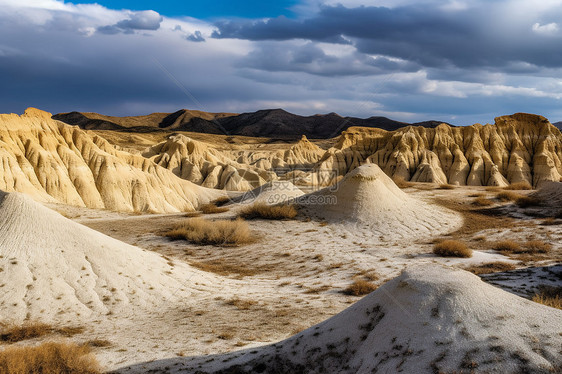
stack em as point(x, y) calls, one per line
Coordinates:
point(52, 268)
point(271, 193)
point(368, 197)
point(429, 319)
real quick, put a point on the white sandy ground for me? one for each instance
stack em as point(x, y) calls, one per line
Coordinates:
point(429, 319)
point(301, 267)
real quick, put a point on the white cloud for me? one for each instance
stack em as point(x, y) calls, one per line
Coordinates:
point(548, 29)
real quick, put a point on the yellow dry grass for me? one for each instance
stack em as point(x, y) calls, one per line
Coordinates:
point(519, 186)
point(452, 248)
point(360, 287)
point(48, 358)
point(212, 209)
point(549, 296)
point(492, 267)
point(265, 211)
point(508, 196)
point(220, 232)
point(10, 333)
point(527, 201)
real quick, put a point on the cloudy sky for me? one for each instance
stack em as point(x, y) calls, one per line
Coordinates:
point(460, 61)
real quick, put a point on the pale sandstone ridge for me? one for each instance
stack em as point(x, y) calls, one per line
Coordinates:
point(429, 319)
point(520, 147)
point(367, 197)
point(235, 169)
point(52, 161)
point(54, 269)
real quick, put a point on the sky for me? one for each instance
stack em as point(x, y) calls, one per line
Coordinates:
point(457, 61)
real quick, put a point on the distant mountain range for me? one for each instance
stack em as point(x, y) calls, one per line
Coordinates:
point(558, 124)
point(271, 123)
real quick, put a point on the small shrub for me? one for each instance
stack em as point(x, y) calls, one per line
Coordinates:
point(212, 209)
point(527, 201)
point(549, 296)
point(551, 222)
point(537, 246)
point(220, 232)
point(221, 201)
point(492, 267)
point(48, 358)
point(446, 187)
point(269, 211)
point(241, 304)
point(507, 246)
point(99, 343)
point(452, 248)
point(508, 196)
point(519, 186)
point(221, 267)
point(482, 201)
point(359, 287)
point(31, 330)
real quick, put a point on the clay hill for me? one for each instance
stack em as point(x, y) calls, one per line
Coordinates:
point(271, 123)
point(55, 162)
point(54, 269)
point(430, 319)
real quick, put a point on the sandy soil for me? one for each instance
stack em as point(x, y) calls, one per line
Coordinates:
point(291, 278)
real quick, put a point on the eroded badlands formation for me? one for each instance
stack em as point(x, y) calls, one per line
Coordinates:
point(429, 319)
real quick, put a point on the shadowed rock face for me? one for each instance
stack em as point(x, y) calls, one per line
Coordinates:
point(275, 123)
point(56, 162)
point(521, 147)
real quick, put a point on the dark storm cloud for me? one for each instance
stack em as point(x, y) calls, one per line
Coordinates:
point(427, 34)
point(311, 59)
point(144, 20)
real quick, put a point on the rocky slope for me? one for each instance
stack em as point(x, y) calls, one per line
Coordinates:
point(521, 147)
point(53, 161)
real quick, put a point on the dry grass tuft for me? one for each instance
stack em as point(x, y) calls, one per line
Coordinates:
point(446, 187)
point(242, 304)
point(359, 288)
point(452, 248)
point(269, 211)
point(221, 267)
point(533, 246)
point(527, 201)
point(48, 358)
point(519, 186)
point(212, 209)
point(32, 330)
point(482, 201)
point(507, 246)
point(220, 232)
point(508, 196)
point(492, 267)
point(221, 201)
point(537, 246)
point(549, 296)
point(99, 343)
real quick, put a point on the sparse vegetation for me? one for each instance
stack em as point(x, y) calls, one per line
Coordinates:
point(265, 211)
point(32, 330)
point(452, 248)
point(221, 267)
point(549, 296)
point(242, 304)
point(212, 209)
point(48, 358)
point(221, 201)
point(99, 343)
point(519, 186)
point(508, 196)
point(359, 288)
point(532, 247)
point(446, 186)
point(492, 267)
point(482, 201)
point(220, 232)
point(507, 246)
point(527, 201)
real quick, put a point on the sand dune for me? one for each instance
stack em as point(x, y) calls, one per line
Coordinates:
point(54, 269)
point(429, 319)
point(368, 198)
